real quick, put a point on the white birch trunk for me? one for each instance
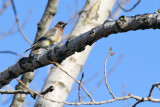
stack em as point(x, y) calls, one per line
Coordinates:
point(94, 13)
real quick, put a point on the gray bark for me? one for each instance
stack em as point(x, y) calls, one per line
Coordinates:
point(94, 13)
point(42, 28)
point(123, 24)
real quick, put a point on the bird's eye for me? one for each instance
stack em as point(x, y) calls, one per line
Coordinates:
point(62, 24)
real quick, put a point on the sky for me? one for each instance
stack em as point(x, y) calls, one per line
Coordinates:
point(137, 53)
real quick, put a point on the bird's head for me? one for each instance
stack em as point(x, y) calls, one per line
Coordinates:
point(62, 24)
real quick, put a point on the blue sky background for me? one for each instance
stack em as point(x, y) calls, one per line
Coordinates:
point(139, 51)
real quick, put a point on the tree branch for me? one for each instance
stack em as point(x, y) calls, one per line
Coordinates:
point(10, 52)
point(128, 10)
point(105, 74)
point(42, 28)
point(19, 26)
point(14, 92)
point(5, 5)
point(58, 54)
point(75, 80)
point(79, 88)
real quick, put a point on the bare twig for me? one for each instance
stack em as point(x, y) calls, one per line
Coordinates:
point(158, 87)
point(10, 52)
point(105, 75)
point(19, 26)
point(36, 93)
point(118, 10)
point(86, 81)
point(140, 99)
point(33, 93)
point(26, 20)
point(53, 62)
point(151, 90)
point(128, 10)
point(79, 88)
point(150, 94)
point(10, 31)
point(5, 5)
point(108, 74)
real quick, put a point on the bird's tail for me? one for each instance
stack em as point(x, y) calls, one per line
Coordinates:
point(28, 49)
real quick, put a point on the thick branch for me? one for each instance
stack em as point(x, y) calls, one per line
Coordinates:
point(58, 54)
point(14, 92)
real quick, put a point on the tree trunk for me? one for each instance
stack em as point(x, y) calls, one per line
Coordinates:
point(94, 13)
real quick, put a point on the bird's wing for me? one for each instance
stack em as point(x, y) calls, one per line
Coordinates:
point(46, 35)
point(51, 32)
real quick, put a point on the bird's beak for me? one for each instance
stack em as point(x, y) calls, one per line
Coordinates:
point(64, 25)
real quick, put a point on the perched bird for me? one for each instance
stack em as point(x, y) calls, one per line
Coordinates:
point(50, 38)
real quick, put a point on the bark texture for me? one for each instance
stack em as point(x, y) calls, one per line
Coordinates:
point(94, 13)
point(78, 44)
point(42, 28)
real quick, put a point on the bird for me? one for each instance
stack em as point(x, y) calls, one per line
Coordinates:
point(50, 38)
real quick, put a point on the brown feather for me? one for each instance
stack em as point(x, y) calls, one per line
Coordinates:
point(54, 34)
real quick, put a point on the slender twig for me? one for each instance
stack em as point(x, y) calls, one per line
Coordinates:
point(10, 31)
point(142, 100)
point(118, 10)
point(79, 88)
point(5, 5)
point(26, 20)
point(128, 10)
point(105, 74)
point(19, 26)
point(94, 103)
point(151, 90)
point(50, 89)
point(10, 52)
point(53, 62)
point(100, 82)
point(158, 87)
point(36, 92)
point(149, 96)
point(87, 80)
